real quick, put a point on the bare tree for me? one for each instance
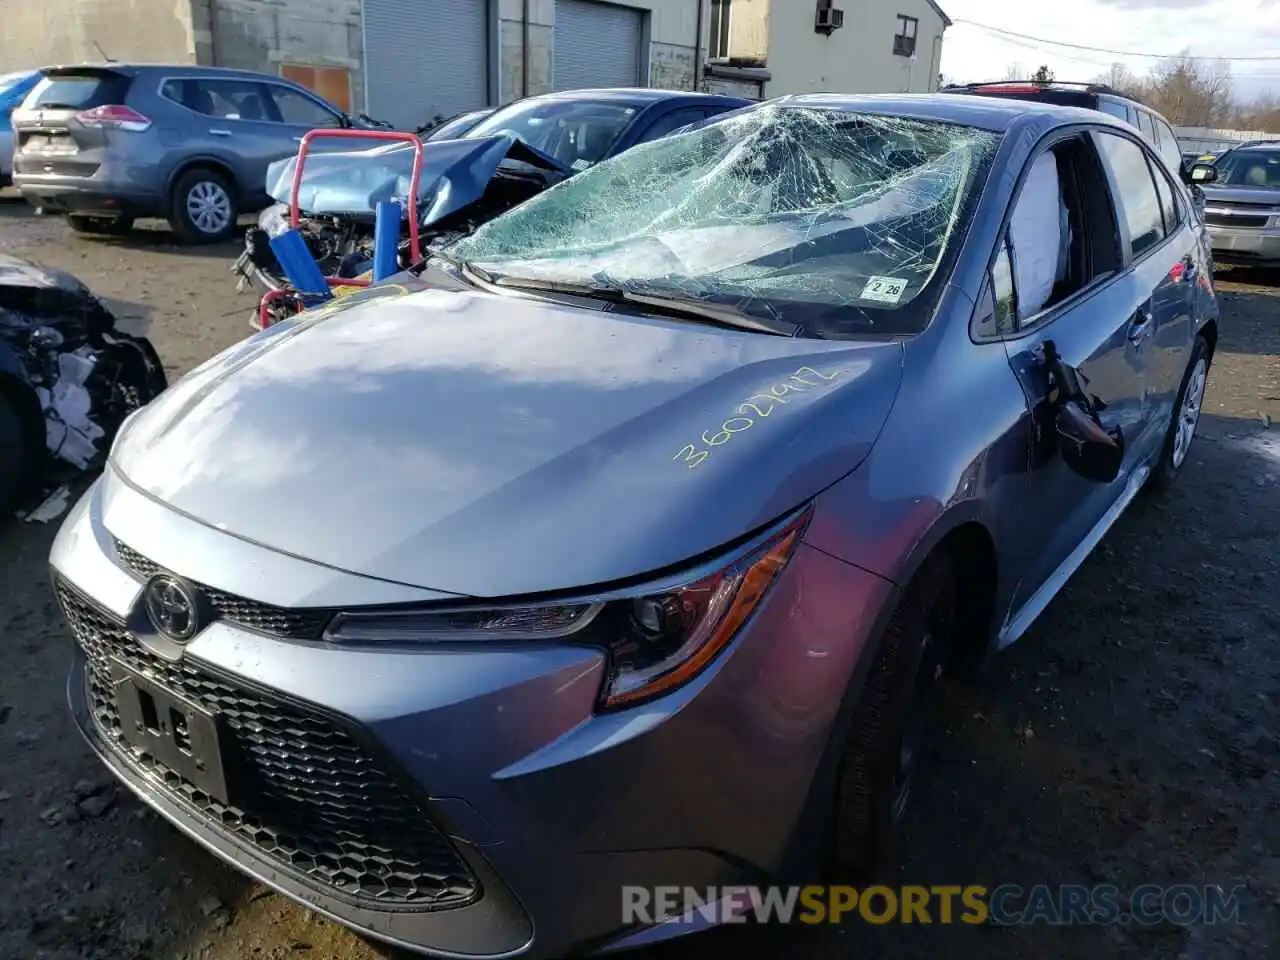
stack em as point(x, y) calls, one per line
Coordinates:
point(1192, 93)
point(1121, 78)
point(1014, 71)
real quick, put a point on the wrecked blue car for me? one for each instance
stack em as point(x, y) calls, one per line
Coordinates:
point(511, 155)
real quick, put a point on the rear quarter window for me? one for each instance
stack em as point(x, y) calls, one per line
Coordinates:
point(78, 91)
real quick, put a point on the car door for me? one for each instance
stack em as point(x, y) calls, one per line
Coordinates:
point(1174, 266)
point(1094, 312)
point(234, 124)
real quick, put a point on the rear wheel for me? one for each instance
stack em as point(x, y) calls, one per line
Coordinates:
point(203, 207)
point(1185, 420)
point(99, 226)
point(13, 457)
point(893, 724)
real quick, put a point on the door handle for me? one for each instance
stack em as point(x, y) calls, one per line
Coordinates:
point(1140, 324)
point(219, 132)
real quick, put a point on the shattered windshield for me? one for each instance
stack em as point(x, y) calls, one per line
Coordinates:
point(578, 133)
point(831, 220)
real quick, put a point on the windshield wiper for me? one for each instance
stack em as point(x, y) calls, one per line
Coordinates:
point(469, 273)
point(685, 308)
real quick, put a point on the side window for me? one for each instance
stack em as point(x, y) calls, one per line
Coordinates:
point(1060, 239)
point(671, 122)
point(1169, 205)
point(222, 99)
point(1114, 107)
point(1133, 191)
point(1170, 152)
point(300, 110)
point(1144, 124)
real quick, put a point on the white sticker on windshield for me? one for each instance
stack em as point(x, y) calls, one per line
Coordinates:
point(884, 289)
point(580, 165)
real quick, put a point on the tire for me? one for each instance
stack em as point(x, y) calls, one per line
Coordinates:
point(99, 226)
point(13, 458)
point(202, 207)
point(897, 708)
point(1176, 448)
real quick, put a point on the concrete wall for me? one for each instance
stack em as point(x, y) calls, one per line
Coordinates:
point(262, 34)
point(857, 58)
point(672, 36)
point(47, 32)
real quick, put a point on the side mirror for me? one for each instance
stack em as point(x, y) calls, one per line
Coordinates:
point(1088, 449)
point(1203, 173)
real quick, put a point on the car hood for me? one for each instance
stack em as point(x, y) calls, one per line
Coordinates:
point(497, 445)
point(1268, 196)
point(454, 175)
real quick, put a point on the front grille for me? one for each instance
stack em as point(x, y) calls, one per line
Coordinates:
point(1235, 220)
point(315, 801)
point(262, 617)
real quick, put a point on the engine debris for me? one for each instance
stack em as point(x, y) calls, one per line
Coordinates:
point(67, 375)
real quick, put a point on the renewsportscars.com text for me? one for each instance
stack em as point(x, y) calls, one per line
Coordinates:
point(1005, 905)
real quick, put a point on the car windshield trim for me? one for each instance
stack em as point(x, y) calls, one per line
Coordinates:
point(828, 219)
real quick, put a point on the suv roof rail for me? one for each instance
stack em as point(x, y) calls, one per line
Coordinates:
point(1046, 85)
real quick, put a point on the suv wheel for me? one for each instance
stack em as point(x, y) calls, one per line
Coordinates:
point(203, 207)
point(102, 226)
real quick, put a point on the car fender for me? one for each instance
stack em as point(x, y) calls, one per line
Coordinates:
point(176, 163)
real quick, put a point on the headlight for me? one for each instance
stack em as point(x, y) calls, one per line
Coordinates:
point(657, 640)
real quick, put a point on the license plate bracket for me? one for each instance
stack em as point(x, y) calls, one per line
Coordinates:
point(177, 733)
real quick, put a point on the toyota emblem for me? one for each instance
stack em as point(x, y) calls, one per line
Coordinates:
point(172, 606)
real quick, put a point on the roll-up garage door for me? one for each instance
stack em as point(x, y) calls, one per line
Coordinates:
point(424, 58)
point(597, 45)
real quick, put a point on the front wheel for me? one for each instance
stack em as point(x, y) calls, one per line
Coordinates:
point(1186, 418)
point(893, 724)
point(203, 207)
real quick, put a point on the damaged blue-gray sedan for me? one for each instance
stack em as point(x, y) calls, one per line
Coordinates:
point(625, 543)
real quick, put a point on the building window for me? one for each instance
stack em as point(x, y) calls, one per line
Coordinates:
point(331, 83)
point(719, 44)
point(904, 41)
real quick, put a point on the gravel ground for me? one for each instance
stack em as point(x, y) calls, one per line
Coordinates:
point(1130, 738)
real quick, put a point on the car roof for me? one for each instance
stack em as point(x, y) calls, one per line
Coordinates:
point(181, 69)
point(996, 114)
point(636, 96)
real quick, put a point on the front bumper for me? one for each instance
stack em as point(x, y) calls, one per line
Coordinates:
point(1245, 245)
point(549, 807)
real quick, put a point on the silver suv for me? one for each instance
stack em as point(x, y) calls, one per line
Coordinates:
point(106, 143)
point(1242, 203)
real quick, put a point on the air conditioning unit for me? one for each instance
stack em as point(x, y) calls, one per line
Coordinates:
point(828, 19)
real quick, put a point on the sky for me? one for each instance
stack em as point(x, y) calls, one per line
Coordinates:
point(1207, 28)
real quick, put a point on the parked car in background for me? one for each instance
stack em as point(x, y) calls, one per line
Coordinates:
point(106, 143)
point(568, 133)
point(453, 127)
point(1242, 203)
point(1093, 96)
point(13, 88)
point(629, 539)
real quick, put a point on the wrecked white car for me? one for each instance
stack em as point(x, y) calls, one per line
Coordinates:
point(68, 379)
